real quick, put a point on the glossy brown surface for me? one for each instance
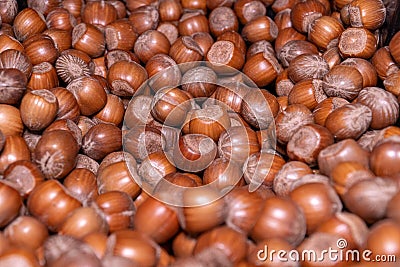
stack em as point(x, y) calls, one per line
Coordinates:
point(10, 204)
point(81, 183)
point(150, 43)
point(197, 133)
point(125, 77)
point(51, 203)
point(56, 153)
point(101, 140)
point(13, 85)
point(318, 201)
point(233, 243)
point(31, 17)
point(383, 158)
point(117, 209)
point(357, 201)
point(14, 149)
point(165, 220)
point(282, 218)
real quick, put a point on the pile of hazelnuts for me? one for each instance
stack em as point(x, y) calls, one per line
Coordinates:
point(198, 132)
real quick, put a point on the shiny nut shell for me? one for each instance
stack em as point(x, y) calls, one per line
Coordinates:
point(12, 86)
point(56, 153)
